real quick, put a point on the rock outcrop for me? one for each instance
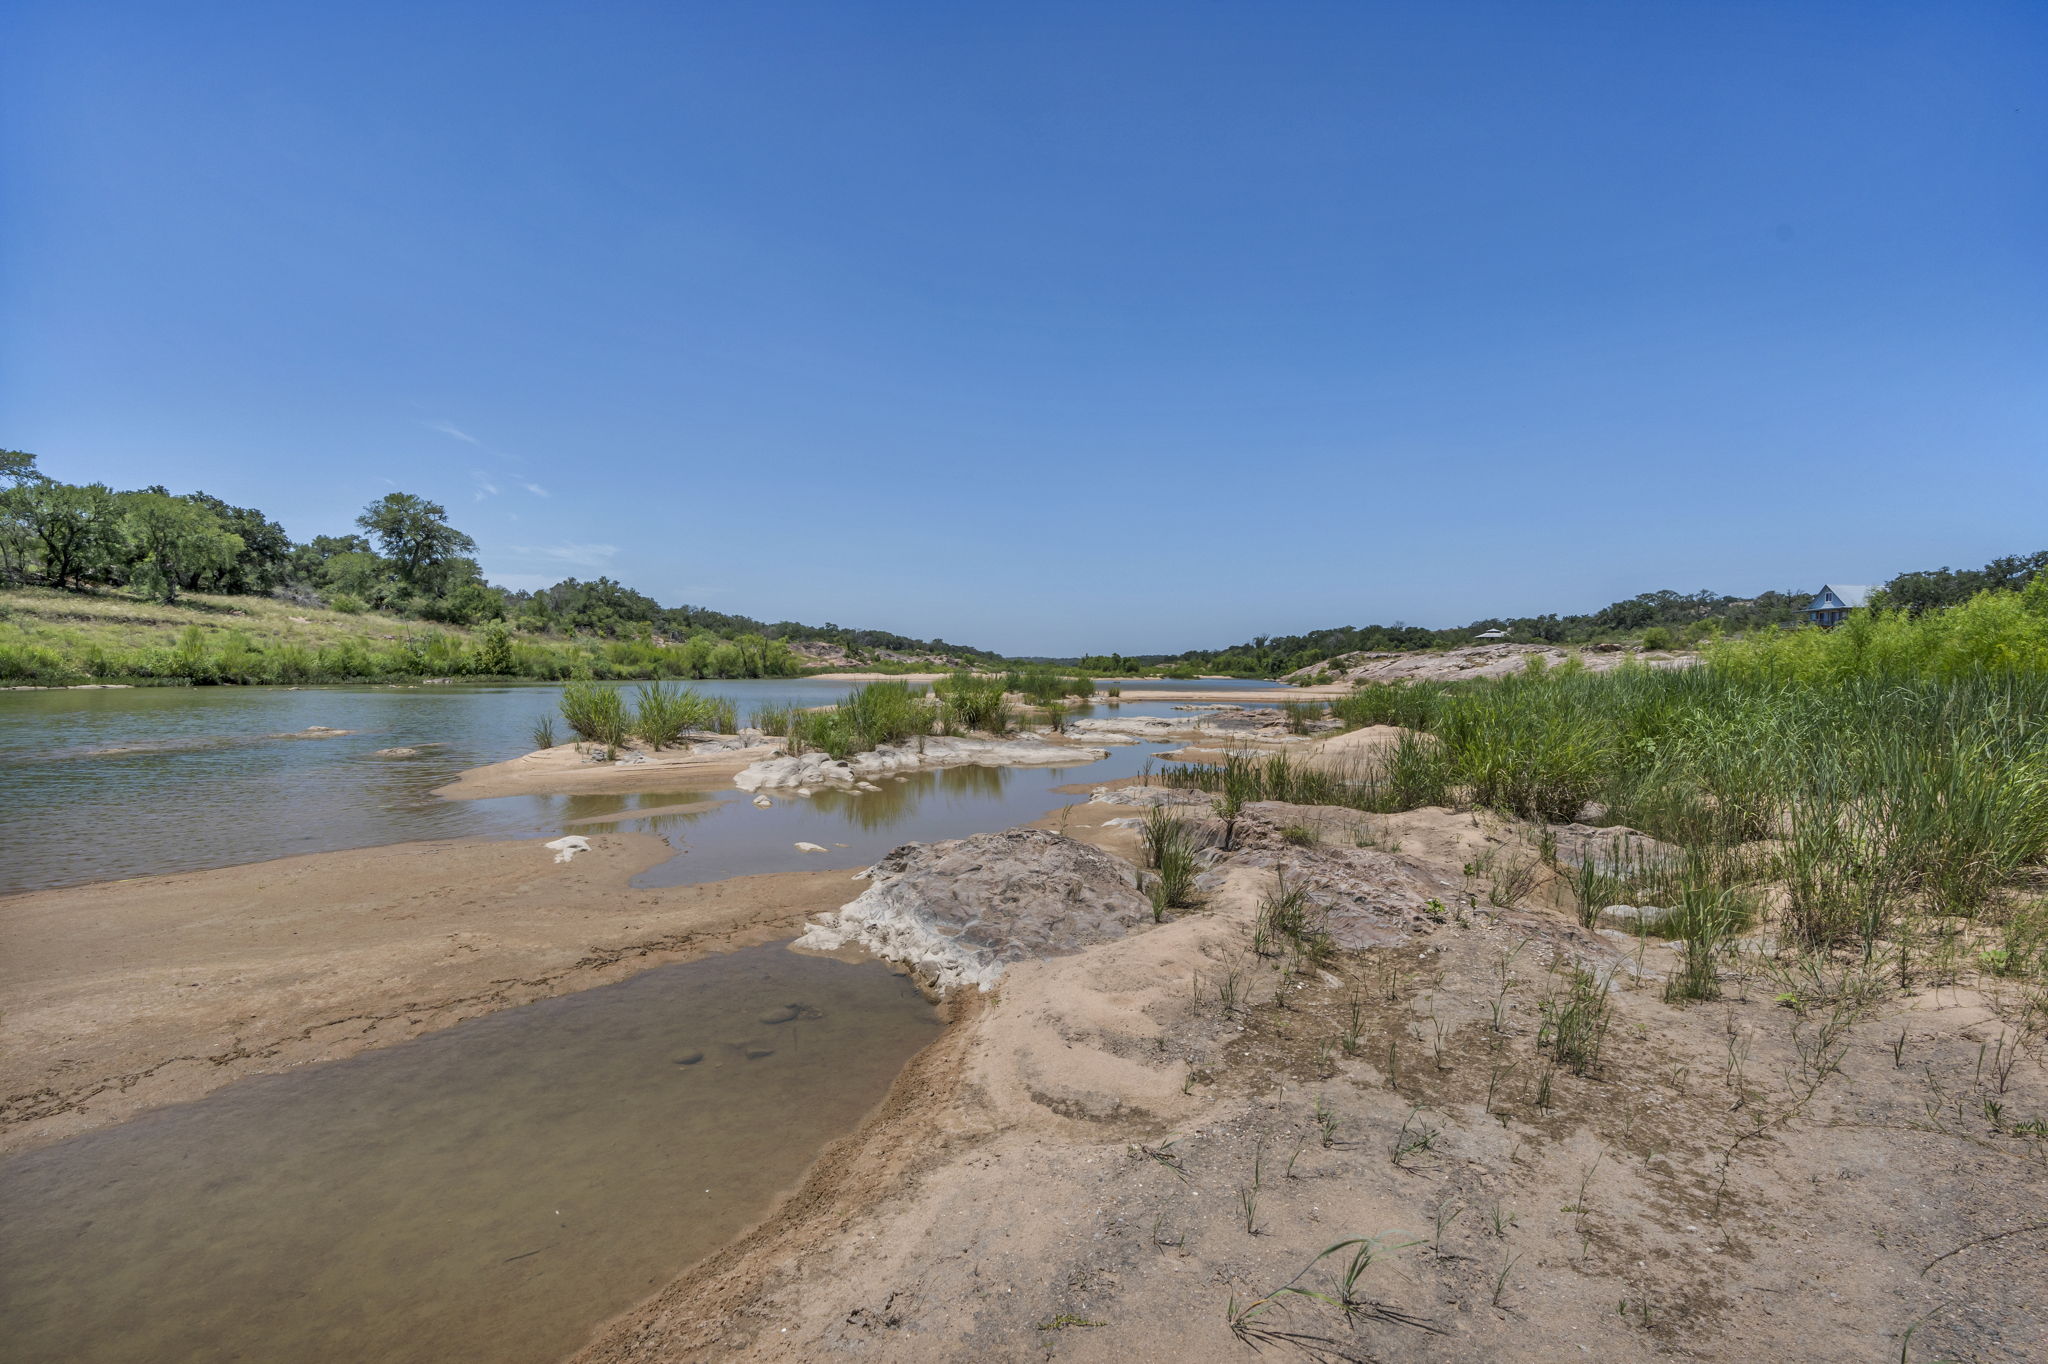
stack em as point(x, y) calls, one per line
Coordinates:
point(821, 769)
point(958, 912)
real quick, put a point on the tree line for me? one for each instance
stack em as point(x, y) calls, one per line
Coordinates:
point(1660, 619)
point(406, 559)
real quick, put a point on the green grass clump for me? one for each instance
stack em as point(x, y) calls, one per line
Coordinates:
point(595, 713)
point(662, 712)
point(1041, 684)
point(974, 701)
point(1171, 845)
point(868, 717)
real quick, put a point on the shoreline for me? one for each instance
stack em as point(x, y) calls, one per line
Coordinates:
point(125, 995)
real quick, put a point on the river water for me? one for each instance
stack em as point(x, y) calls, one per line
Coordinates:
point(490, 1191)
point(99, 785)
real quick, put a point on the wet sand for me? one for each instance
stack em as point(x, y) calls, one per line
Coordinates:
point(128, 994)
point(564, 770)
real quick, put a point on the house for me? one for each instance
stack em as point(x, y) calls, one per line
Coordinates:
point(1491, 634)
point(1832, 605)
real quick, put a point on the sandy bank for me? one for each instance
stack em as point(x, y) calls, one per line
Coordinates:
point(913, 678)
point(1106, 1152)
point(567, 770)
point(128, 994)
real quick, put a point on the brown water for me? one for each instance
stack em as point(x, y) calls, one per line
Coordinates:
point(490, 1192)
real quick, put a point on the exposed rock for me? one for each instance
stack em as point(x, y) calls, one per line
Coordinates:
point(958, 912)
point(1616, 846)
point(815, 769)
point(810, 847)
point(1479, 660)
point(1640, 918)
point(763, 802)
point(1145, 797)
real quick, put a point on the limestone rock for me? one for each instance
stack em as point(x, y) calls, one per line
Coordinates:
point(958, 912)
point(820, 769)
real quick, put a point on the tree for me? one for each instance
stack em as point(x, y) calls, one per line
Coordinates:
point(359, 574)
point(266, 549)
point(175, 541)
point(415, 535)
point(78, 527)
point(19, 466)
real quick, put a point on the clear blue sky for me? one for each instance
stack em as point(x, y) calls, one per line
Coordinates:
point(1054, 327)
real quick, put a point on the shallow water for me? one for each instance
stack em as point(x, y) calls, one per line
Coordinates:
point(490, 1192)
point(105, 784)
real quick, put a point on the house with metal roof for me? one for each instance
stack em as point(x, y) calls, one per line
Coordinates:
point(1833, 603)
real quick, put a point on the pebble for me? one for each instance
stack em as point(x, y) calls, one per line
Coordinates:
point(689, 1058)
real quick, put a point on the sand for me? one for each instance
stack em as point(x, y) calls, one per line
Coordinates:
point(566, 770)
point(914, 678)
point(159, 989)
point(1066, 1173)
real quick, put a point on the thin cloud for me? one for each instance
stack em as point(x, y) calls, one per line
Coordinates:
point(583, 556)
point(451, 429)
point(484, 487)
point(536, 490)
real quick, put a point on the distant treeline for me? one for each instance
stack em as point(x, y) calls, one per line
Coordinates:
point(407, 561)
point(1660, 619)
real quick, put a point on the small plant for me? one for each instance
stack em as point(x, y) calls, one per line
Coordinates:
point(1575, 1022)
point(1301, 835)
point(1413, 1139)
point(1170, 848)
point(543, 732)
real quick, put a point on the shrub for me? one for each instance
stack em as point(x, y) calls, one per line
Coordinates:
point(663, 712)
point(346, 604)
point(595, 713)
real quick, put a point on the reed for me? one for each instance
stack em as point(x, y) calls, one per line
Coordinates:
point(595, 713)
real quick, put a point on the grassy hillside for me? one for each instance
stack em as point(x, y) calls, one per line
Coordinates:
point(56, 637)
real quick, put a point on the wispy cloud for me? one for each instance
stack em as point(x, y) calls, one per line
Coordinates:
point(583, 556)
point(451, 429)
point(536, 490)
point(484, 487)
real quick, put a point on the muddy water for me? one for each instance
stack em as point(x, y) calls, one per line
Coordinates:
point(490, 1192)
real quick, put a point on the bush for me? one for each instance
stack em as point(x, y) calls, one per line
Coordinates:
point(595, 713)
point(662, 712)
point(974, 701)
point(346, 604)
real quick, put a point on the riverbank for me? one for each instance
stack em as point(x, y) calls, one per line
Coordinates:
point(125, 995)
point(1144, 1149)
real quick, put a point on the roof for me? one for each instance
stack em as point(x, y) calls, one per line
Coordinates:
point(1848, 594)
point(1491, 634)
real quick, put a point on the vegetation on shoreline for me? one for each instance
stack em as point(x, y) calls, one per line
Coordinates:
point(408, 565)
point(1881, 788)
point(1659, 620)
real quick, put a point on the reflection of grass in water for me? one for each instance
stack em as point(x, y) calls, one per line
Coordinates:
point(895, 802)
point(973, 781)
point(613, 811)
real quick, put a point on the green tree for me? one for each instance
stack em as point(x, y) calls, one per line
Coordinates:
point(357, 573)
point(78, 528)
point(19, 466)
point(174, 541)
point(415, 535)
point(266, 549)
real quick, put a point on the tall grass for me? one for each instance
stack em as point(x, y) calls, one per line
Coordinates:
point(868, 717)
point(974, 701)
point(1042, 684)
point(662, 713)
point(1892, 768)
point(595, 713)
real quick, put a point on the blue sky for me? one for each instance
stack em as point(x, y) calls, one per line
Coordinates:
point(1054, 327)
